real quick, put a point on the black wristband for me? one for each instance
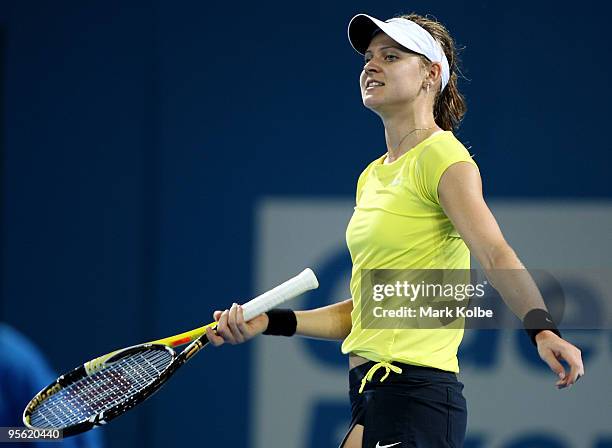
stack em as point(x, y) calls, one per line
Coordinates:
point(538, 320)
point(281, 322)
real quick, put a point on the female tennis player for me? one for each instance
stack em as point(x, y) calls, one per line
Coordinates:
point(418, 206)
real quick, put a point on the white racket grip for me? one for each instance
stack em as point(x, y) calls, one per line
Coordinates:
point(304, 281)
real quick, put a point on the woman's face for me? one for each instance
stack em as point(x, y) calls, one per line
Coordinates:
point(399, 70)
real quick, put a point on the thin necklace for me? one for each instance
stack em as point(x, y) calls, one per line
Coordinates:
point(411, 132)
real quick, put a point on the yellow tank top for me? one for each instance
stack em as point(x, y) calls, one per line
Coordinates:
point(398, 223)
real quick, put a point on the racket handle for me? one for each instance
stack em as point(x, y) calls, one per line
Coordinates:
point(304, 281)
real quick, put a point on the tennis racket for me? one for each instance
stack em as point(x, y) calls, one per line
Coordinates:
point(106, 387)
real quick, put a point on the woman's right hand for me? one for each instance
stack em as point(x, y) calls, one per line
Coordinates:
point(232, 328)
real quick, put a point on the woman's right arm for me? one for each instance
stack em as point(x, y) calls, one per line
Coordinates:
point(328, 322)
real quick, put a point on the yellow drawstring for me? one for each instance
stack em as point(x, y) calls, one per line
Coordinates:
point(368, 376)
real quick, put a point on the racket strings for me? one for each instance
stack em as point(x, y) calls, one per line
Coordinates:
point(91, 395)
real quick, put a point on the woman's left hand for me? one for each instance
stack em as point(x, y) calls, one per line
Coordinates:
point(552, 349)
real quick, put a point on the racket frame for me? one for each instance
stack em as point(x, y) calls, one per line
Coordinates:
point(196, 338)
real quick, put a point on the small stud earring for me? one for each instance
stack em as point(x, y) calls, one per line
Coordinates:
point(427, 88)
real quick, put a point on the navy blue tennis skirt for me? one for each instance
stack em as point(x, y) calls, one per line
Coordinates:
point(421, 407)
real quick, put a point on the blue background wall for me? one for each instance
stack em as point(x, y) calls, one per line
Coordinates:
point(137, 137)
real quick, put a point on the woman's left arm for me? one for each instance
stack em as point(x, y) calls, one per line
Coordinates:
point(460, 194)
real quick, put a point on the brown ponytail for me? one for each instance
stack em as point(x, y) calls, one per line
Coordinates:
point(449, 105)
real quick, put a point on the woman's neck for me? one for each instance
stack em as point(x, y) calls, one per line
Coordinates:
point(403, 133)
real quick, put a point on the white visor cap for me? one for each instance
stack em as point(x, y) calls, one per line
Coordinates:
point(408, 34)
